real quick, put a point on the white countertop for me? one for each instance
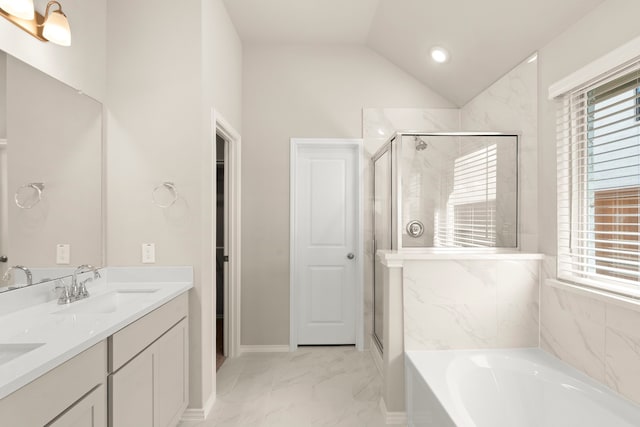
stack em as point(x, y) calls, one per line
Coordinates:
point(65, 335)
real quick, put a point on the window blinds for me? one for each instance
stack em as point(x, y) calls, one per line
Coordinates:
point(471, 208)
point(599, 183)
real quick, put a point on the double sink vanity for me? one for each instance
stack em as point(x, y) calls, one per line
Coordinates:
point(118, 357)
point(115, 355)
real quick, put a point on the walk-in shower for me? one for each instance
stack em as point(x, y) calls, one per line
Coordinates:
point(454, 190)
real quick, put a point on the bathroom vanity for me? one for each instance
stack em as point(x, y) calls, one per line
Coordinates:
point(117, 358)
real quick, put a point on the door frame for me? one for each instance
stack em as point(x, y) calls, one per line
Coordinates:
point(4, 204)
point(232, 302)
point(357, 145)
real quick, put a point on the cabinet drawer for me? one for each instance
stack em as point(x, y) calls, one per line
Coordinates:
point(43, 399)
point(126, 343)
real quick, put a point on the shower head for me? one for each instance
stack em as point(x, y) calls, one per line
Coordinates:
point(420, 143)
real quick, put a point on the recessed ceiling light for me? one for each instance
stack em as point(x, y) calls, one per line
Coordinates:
point(439, 54)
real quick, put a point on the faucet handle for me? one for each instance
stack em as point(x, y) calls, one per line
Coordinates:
point(64, 296)
point(82, 288)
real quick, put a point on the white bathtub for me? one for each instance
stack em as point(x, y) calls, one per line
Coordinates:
point(508, 388)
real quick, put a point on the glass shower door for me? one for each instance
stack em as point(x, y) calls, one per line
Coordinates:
point(382, 236)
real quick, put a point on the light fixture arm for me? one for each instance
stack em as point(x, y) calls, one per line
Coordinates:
point(33, 26)
point(46, 11)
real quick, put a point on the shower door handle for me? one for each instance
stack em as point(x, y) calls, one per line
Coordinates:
point(351, 255)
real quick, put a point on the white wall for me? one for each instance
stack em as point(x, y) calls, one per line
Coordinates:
point(222, 62)
point(82, 65)
point(298, 91)
point(162, 87)
point(598, 337)
point(3, 95)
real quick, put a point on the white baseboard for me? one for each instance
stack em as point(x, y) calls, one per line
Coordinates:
point(199, 414)
point(264, 349)
point(393, 417)
point(377, 357)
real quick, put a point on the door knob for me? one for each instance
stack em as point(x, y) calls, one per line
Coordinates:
point(351, 255)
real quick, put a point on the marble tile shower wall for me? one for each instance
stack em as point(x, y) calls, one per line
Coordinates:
point(600, 338)
point(511, 105)
point(464, 304)
point(378, 125)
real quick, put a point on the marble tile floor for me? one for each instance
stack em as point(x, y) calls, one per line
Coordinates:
point(314, 386)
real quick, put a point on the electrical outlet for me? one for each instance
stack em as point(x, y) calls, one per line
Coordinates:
point(148, 253)
point(63, 253)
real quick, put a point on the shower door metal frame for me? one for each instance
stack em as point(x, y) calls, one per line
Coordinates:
point(396, 185)
point(386, 148)
point(393, 146)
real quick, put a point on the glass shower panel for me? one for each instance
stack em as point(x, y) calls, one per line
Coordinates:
point(458, 191)
point(382, 235)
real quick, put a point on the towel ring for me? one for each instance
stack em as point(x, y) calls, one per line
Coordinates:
point(37, 187)
point(169, 186)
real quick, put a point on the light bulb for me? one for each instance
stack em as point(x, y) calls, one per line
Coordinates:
point(22, 9)
point(56, 29)
point(439, 54)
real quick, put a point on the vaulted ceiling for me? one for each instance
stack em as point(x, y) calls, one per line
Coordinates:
point(485, 38)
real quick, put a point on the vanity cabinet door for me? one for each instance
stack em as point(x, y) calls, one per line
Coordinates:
point(90, 411)
point(170, 369)
point(151, 390)
point(131, 393)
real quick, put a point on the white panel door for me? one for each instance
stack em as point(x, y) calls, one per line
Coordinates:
point(326, 209)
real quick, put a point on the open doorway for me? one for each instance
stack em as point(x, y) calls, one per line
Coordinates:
point(4, 207)
point(225, 206)
point(222, 244)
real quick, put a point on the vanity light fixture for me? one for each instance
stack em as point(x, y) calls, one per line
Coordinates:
point(53, 26)
point(439, 54)
point(22, 9)
point(56, 26)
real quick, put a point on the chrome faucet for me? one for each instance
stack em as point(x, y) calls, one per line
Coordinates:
point(27, 273)
point(79, 290)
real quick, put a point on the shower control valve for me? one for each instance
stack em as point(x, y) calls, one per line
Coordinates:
point(415, 229)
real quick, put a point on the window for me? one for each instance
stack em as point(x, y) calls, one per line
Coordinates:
point(599, 183)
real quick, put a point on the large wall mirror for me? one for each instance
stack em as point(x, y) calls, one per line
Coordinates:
point(50, 175)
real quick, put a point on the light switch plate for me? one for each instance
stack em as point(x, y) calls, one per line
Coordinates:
point(148, 253)
point(63, 253)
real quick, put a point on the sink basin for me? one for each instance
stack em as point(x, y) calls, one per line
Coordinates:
point(9, 352)
point(106, 303)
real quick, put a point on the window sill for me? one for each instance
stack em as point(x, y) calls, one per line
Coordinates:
point(630, 302)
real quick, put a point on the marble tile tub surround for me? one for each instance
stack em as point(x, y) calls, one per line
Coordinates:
point(471, 303)
point(600, 338)
point(314, 386)
point(456, 300)
point(62, 334)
